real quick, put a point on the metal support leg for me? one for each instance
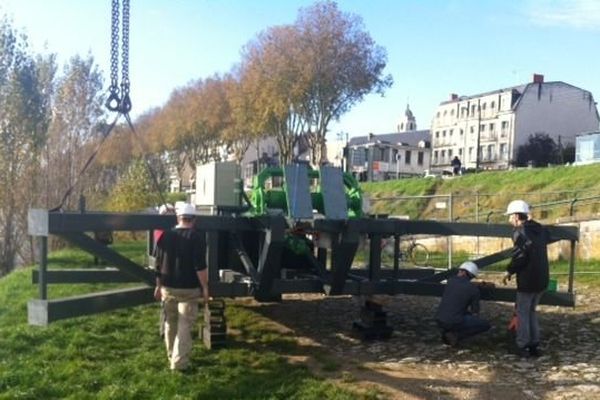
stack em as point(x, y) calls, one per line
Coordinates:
point(43, 267)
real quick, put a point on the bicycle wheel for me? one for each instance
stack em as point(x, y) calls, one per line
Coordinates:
point(419, 255)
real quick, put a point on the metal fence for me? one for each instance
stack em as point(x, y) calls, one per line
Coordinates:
point(549, 207)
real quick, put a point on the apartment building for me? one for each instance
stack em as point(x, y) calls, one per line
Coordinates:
point(485, 130)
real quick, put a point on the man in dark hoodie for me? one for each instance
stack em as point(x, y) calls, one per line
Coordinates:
point(530, 263)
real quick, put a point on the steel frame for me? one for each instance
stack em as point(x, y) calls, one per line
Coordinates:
point(263, 275)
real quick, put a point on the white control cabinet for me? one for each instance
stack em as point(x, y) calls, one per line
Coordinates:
point(218, 184)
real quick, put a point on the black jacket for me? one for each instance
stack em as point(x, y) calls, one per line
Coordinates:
point(460, 297)
point(530, 257)
point(179, 254)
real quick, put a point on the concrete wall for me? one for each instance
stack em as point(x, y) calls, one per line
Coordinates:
point(587, 248)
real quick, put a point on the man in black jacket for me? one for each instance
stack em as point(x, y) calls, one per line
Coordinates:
point(458, 312)
point(181, 273)
point(530, 263)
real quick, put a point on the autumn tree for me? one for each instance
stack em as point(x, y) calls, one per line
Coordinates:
point(271, 71)
point(76, 125)
point(24, 114)
point(340, 64)
point(243, 127)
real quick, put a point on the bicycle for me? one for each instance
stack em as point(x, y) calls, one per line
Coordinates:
point(410, 251)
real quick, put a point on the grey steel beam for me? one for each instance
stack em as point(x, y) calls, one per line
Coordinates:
point(269, 262)
point(343, 249)
point(43, 222)
point(393, 226)
point(42, 312)
point(123, 264)
point(87, 275)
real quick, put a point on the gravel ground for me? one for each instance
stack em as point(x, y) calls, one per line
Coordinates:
point(414, 364)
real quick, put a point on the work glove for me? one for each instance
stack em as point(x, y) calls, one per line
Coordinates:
point(506, 278)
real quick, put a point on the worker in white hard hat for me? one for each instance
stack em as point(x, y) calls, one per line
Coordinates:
point(530, 263)
point(458, 312)
point(181, 279)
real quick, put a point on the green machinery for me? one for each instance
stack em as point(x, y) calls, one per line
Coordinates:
point(332, 193)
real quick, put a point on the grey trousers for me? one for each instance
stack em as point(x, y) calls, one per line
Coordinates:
point(528, 328)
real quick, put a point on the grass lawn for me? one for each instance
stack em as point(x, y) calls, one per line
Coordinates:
point(119, 355)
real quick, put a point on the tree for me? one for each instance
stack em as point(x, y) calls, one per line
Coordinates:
point(135, 189)
point(540, 150)
point(340, 65)
point(310, 73)
point(76, 126)
point(24, 113)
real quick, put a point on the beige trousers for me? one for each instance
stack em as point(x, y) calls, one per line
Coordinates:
point(181, 313)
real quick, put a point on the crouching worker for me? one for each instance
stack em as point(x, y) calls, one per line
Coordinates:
point(180, 272)
point(457, 314)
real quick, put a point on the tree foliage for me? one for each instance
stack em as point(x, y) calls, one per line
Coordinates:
point(24, 115)
point(540, 150)
point(134, 191)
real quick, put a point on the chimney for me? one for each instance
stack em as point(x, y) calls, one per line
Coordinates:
point(453, 96)
point(538, 78)
point(371, 136)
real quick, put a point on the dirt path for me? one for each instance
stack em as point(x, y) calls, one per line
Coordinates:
point(414, 364)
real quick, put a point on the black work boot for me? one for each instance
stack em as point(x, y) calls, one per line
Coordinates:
point(450, 338)
point(534, 351)
point(521, 352)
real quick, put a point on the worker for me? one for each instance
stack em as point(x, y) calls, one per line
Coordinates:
point(181, 273)
point(456, 164)
point(458, 312)
point(529, 262)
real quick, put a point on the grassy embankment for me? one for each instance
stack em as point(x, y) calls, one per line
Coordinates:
point(119, 355)
point(494, 190)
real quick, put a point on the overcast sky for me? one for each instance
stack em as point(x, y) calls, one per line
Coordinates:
point(434, 47)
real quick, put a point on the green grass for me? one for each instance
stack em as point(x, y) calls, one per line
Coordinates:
point(119, 355)
point(496, 189)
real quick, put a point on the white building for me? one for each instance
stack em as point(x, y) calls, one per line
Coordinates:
point(498, 122)
point(390, 155)
point(587, 148)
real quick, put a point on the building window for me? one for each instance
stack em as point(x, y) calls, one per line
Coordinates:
point(462, 132)
point(407, 157)
point(490, 152)
point(504, 128)
point(435, 157)
point(483, 106)
point(482, 128)
point(491, 128)
point(460, 152)
point(451, 131)
point(437, 134)
point(420, 157)
point(473, 109)
point(472, 129)
point(503, 151)
point(449, 154)
point(444, 133)
point(492, 105)
point(452, 112)
point(438, 114)
point(470, 154)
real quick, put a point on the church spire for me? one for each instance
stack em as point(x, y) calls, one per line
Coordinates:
point(408, 123)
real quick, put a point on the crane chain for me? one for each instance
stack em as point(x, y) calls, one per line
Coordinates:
point(118, 98)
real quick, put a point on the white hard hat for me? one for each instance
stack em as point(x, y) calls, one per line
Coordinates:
point(185, 209)
point(470, 267)
point(517, 206)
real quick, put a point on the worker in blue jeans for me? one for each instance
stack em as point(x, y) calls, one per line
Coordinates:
point(458, 312)
point(529, 262)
